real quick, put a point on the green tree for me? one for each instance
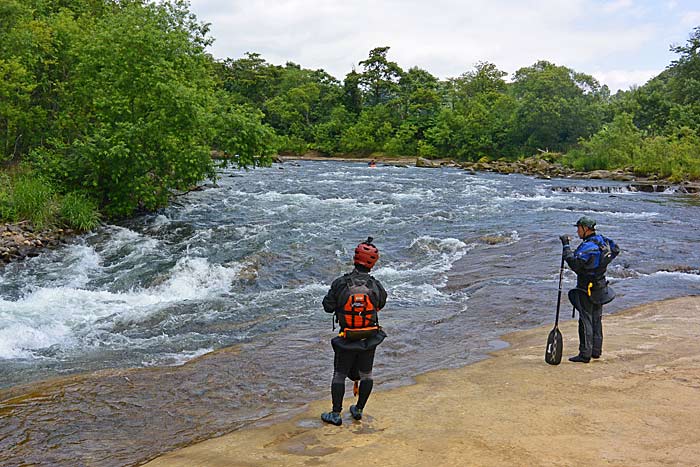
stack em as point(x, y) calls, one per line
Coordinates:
point(486, 79)
point(328, 134)
point(616, 145)
point(419, 96)
point(417, 104)
point(684, 84)
point(291, 112)
point(675, 156)
point(240, 134)
point(305, 98)
point(16, 86)
point(379, 78)
point(249, 79)
point(373, 128)
point(352, 94)
point(649, 105)
point(139, 99)
point(556, 106)
point(476, 120)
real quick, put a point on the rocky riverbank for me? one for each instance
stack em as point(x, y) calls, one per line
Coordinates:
point(540, 167)
point(21, 240)
point(537, 166)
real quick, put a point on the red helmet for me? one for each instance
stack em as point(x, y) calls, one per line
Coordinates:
point(366, 254)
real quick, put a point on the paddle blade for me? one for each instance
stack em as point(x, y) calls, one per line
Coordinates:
point(552, 354)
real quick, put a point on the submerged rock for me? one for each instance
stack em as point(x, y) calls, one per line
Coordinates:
point(422, 162)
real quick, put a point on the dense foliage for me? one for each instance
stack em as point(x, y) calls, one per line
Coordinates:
point(115, 103)
point(381, 108)
point(110, 105)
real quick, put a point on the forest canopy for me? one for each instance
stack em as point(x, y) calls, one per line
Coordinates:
point(113, 105)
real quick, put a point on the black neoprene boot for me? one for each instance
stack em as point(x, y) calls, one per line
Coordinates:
point(333, 418)
point(355, 412)
point(579, 359)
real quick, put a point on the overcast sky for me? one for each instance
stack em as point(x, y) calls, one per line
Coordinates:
point(620, 42)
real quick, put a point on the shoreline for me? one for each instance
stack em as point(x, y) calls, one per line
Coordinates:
point(380, 160)
point(534, 166)
point(634, 406)
point(19, 240)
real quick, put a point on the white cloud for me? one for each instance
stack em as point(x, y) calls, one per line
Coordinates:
point(624, 79)
point(691, 19)
point(617, 5)
point(445, 37)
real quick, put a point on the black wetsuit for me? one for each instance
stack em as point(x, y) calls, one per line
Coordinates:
point(353, 359)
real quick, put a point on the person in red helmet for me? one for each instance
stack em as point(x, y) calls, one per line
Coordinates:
point(355, 298)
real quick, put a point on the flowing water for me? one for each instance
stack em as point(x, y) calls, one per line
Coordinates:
point(205, 317)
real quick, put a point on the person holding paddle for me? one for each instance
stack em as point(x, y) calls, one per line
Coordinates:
point(589, 261)
point(355, 299)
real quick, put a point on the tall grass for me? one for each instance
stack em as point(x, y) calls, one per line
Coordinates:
point(79, 211)
point(7, 210)
point(25, 195)
point(33, 199)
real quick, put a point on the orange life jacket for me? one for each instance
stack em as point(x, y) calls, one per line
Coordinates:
point(358, 318)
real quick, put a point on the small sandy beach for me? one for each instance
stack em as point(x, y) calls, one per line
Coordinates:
point(638, 405)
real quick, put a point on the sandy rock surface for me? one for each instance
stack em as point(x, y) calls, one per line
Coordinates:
point(638, 405)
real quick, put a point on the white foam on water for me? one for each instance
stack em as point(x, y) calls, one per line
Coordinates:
point(480, 190)
point(161, 220)
point(626, 215)
point(294, 198)
point(78, 266)
point(19, 338)
point(122, 236)
point(416, 295)
point(287, 295)
point(421, 279)
point(64, 315)
point(678, 275)
point(127, 245)
point(512, 237)
point(193, 278)
point(413, 194)
point(448, 249)
point(606, 190)
point(598, 214)
point(176, 359)
point(527, 197)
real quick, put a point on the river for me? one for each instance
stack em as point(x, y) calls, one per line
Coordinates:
point(205, 317)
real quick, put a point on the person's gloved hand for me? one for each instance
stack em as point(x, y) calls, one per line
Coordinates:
point(564, 240)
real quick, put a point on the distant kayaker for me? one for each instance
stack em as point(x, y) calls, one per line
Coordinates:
point(372, 163)
point(355, 299)
point(589, 261)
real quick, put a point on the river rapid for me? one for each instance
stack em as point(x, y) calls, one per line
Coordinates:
point(205, 317)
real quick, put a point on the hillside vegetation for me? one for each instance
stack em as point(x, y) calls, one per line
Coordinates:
point(109, 107)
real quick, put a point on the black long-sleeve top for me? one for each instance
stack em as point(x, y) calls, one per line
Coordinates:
point(332, 300)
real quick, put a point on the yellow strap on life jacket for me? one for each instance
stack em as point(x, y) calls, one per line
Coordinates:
point(590, 286)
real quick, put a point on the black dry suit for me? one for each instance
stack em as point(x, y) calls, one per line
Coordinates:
point(354, 358)
point(590, 261)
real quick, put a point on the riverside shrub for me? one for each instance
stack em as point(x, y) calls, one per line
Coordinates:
point(676, 156)
point(79, 211)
